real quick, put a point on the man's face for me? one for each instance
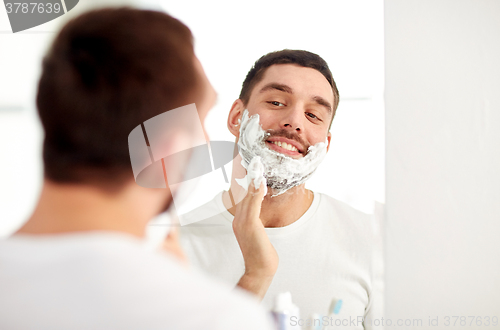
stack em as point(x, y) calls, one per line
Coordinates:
point(295, 106)
point(204, 104)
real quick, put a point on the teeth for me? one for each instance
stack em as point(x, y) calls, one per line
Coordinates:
point(285, 145)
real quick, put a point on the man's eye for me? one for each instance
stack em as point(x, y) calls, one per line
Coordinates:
point(276, 103)
point(312, 115)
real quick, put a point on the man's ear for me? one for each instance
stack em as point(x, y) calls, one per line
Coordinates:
point(329, 138)
point(234, 118)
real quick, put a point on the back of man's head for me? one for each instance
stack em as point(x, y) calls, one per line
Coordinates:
point(107, 72)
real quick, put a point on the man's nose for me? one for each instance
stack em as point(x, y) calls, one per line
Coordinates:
point(293, 119)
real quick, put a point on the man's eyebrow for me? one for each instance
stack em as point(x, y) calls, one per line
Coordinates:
point(288, 89)
point(324, 103)
point(280, 87)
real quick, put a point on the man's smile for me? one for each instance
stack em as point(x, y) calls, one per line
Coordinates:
point(285, 146)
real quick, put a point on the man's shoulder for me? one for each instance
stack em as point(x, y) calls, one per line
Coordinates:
point(146, 288)
point(207, 222)
point(218, 305)
point(210, 213)
point(356, 222)
point(342, 207)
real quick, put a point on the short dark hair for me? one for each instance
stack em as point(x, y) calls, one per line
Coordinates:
point(106, 72)
point(288, 56)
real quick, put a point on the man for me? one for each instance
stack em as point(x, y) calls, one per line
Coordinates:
point(80, 261)
point(294, 240)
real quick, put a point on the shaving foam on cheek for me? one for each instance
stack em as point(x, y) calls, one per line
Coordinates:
point(282, 172)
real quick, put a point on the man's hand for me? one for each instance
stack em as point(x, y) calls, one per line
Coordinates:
point(261, 259)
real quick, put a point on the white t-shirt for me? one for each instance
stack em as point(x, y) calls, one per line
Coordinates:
point(324, 255)
point(105, 280)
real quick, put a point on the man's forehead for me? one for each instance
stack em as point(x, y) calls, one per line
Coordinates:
point(293, 75)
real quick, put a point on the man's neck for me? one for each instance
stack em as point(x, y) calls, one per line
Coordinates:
point(77, 208)
point(278, 211)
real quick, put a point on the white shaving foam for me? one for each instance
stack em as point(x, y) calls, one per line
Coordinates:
point(281, 172)
point(255, 172)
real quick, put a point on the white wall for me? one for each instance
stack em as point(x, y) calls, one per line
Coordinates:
point(442, 60)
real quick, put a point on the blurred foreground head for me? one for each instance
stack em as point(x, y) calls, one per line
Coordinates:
point(106, 72)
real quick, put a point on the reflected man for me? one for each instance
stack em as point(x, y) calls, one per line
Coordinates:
point(291, 239)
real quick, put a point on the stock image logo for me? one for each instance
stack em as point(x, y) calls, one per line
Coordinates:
point(24, 15)
point(157, 161)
